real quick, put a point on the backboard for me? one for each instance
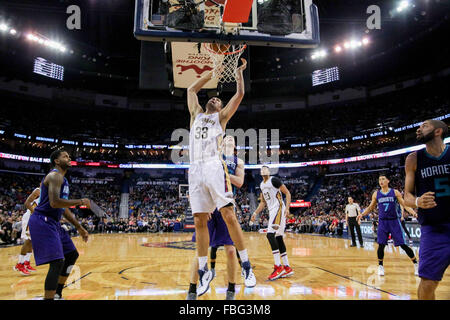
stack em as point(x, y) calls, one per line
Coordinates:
point(301, 17)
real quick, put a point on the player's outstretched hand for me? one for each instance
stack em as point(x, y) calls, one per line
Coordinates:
point(84, 234)
point(427, 201)
point(86, 202)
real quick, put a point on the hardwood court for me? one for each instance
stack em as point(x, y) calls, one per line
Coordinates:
point(156, 266)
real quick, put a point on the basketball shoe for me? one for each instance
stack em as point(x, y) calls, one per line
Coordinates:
point(278, 271)
point(249, 277)
point(287, 272)
point(21, 268)
point(191, 296)
point(205, 278)
point(28, 266)
point(230, 295)
point(380, 270)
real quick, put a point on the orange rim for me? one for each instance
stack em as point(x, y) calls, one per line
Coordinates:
point(223, 53)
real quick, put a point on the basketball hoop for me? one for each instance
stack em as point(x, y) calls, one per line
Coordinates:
point(225, 58)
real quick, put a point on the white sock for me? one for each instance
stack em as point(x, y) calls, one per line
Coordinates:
point(21, 259)
point(202, 261)
point(27, 257)
point(244, 256)
point(276, 257)
point(284, 257)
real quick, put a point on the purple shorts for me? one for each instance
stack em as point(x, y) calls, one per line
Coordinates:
point(218, 231)
point(393, 227)
point(434, 252)
point(49, 240)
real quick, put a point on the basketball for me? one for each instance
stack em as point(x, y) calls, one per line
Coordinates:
point(219, 48)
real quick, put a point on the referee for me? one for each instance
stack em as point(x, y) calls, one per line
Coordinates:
point(351, 212)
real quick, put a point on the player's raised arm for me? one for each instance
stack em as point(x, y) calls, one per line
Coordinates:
point(237, 179)
point(68, 215)
point(33, 196)
point(425, 201)
point(55, 181)
point(370, 208)
point(226, 113)
point(192, 98)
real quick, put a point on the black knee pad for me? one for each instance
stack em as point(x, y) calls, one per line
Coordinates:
point(273, 242)
point(54, 270)
point(69, 262)
point(281, 244)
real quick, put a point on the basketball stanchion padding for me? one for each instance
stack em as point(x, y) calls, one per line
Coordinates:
point(99, 212)
point(237, 11)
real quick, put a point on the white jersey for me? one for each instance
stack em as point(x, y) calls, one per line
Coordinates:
point(25, 218)
point(205, 138)
point(34, 204)
point(272, 195)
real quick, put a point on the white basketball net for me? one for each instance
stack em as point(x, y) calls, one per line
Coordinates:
point(225, 59)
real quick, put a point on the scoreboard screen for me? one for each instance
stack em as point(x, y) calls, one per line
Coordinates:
point(48, 69)
point(325, 76)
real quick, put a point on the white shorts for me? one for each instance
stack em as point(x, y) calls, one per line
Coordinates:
point(209, 186)
point(25, 235)
point(277, 218)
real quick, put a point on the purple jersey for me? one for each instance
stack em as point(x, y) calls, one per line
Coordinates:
point(44, 207)
point(388, 206)
point(433, 174)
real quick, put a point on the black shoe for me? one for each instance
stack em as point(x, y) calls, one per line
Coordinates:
point(361, 244)
point(353, 245)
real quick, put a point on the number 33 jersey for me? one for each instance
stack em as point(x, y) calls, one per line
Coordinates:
point(205, 138)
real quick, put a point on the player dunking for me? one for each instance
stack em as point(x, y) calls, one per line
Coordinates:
point(209, 181)
point(271, 189)
point(23, 265)
point(389, 213)
point(427, 187)
point(218, 232)
point(51, 243)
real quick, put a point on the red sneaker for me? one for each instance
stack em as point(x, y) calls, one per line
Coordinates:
point(28, 266)
point(287, 272)
point(278, 271)
point(21, 268)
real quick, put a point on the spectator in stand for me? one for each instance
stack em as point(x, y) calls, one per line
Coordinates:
point(7, 231)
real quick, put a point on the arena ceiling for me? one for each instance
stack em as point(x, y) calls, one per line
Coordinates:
point(408, 43)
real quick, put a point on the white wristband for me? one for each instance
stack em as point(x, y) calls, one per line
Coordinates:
point(417, 200)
